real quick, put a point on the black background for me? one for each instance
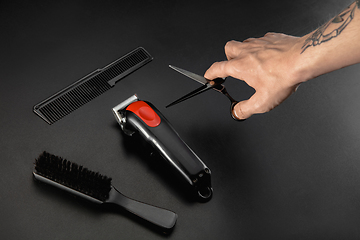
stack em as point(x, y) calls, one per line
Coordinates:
point(292, 173)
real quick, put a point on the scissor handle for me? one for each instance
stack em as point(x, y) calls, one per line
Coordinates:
point(221, 88)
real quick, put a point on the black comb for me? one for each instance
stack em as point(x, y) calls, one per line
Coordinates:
point(91, 86)
point(96, 188)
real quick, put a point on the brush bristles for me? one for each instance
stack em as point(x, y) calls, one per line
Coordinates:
point(73, 176)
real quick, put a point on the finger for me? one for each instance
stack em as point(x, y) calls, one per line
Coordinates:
point(236, 68)
point(233, 49)
point(217, 70)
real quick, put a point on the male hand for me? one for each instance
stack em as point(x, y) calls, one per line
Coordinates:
point(271, 65)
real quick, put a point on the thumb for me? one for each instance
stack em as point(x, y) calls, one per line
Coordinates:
point(249, 107)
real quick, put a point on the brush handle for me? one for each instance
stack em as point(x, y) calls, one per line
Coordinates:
point(163, 218)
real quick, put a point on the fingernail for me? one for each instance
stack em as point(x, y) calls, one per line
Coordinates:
point(236, 117)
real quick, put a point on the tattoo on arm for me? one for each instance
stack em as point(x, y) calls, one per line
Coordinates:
point(333, 28)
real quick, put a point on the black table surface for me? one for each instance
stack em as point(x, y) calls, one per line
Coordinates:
point(292, 173)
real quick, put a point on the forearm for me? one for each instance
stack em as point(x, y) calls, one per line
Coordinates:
point(334, 45)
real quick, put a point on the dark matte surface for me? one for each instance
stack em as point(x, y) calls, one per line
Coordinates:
point(293, 173)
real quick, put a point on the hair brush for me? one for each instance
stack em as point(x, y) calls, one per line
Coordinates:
point(97, 188)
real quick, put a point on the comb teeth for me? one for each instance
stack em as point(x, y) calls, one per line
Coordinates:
point(73, 176)
point(70, 100)
point(93, 85)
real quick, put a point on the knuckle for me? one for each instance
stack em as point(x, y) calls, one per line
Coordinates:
point(269, 34)
point(231, 47)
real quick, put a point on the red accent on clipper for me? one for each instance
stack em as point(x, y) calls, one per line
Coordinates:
point(145, 112)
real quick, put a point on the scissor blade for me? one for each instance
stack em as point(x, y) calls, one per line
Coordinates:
point(192, 94)
point(198, 78)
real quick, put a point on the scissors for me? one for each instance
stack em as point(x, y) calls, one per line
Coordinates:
point(216, 84)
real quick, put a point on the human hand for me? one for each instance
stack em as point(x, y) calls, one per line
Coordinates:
point(272, 65)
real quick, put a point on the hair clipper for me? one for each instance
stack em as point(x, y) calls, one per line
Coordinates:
point(136, 116)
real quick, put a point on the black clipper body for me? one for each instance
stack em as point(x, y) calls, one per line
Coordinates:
point(135, 115)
